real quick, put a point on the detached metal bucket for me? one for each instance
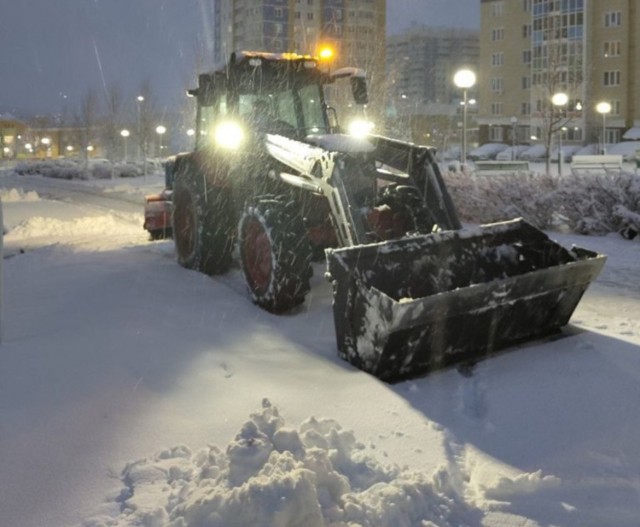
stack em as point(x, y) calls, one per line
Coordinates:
point(405, 307)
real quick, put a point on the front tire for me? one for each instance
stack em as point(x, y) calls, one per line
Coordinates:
point(274, 254)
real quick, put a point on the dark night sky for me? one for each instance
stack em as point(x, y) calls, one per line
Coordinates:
point(52, 51)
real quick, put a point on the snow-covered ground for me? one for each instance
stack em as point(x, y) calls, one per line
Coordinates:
point(135, 392)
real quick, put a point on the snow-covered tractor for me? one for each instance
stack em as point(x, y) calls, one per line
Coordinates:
point(276, 180)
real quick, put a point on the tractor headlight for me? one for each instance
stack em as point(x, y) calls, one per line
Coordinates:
point(360, 127)
point(229, 135)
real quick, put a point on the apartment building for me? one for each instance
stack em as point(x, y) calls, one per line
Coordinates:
point(532, 49)
point(355, 29)
point(420, 66)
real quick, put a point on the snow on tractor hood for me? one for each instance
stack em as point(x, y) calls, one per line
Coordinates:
point(344, 143)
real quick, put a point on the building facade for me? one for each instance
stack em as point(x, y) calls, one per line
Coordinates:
point(420, 66)
point(355, 29)
point(533, 49)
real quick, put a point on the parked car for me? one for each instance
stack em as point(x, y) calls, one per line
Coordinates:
point(534, 153)
point(568, 152)
point(512, 153)
point(486, 151)
point(629, 150)
point(451, 153)
point(588, 150)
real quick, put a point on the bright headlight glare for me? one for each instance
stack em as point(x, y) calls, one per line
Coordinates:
point(229, 135)
point(360, 127)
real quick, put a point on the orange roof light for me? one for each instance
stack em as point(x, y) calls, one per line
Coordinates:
point(326, 53)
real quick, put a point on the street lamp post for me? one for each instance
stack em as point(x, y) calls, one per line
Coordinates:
point(160, 130)
point(47, 143)
point(559, 100)
point(604, 108)
point(464, 79)
point(514, 123)
point(140, 100)
point(125, 133)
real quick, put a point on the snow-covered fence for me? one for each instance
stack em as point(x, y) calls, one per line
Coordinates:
point(598, 163)
point(500, 167)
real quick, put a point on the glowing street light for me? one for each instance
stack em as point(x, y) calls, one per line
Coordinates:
point(46, 141)
point(560, 100)
point(464, 79)
point(125, 133)
point(604, 108)
point(160, 130)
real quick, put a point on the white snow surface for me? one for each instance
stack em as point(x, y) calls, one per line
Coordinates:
point(134, 392)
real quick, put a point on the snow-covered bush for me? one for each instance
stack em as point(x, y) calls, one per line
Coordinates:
point(78, 169)
point(54, 168)
point(487, 199)
point(586, 203)
point(598, 204)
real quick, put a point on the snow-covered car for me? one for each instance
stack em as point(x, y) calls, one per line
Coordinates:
point(534, 153)
point(568, 151)
point(511, 153)
point(451, 153)
point(588, 150)
point(486, 151)
point(629, 150)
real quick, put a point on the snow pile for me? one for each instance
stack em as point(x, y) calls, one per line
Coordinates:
point(38, 227)
point(274, 476)
point(13, 195)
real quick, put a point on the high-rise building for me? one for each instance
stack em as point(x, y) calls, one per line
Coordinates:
point(420, 66)
point(355, 29)
point(533, 49)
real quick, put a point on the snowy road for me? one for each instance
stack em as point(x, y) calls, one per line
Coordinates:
point(113, 353)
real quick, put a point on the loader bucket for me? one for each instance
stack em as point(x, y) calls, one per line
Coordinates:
point(405, 307)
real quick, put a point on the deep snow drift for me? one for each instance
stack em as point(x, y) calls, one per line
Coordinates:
point(135, 392)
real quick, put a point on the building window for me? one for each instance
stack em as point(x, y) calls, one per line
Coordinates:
point(526, 5)
point(612, 48)
point(496, 84)
point(497, 59)
point(526, 31)
point(526, 83)
point(497, 8)
point(612, 78)
point(525, 108)
point(309, 16)
point(526, 56)
point(497, 34)
point(496, 108)
point(613, 19)
point(615, 107)
point(496, 134)
point(277, 12)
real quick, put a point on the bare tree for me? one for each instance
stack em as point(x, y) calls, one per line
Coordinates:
point(87, 122)
point(113, 121)
point(557, 69)
point(147, 119)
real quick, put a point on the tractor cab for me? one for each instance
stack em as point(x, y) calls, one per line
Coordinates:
point(282, 94)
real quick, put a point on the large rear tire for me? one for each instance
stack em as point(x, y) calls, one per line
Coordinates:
point(202, 227)
point(275, 254)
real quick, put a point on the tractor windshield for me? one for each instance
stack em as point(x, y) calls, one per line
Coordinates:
point(294, 111)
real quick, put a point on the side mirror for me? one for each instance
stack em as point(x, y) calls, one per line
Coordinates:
point(206, 90)
point(359, 90)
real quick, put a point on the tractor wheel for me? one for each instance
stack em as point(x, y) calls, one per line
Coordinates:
point(275, 254)
point(202, 228)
